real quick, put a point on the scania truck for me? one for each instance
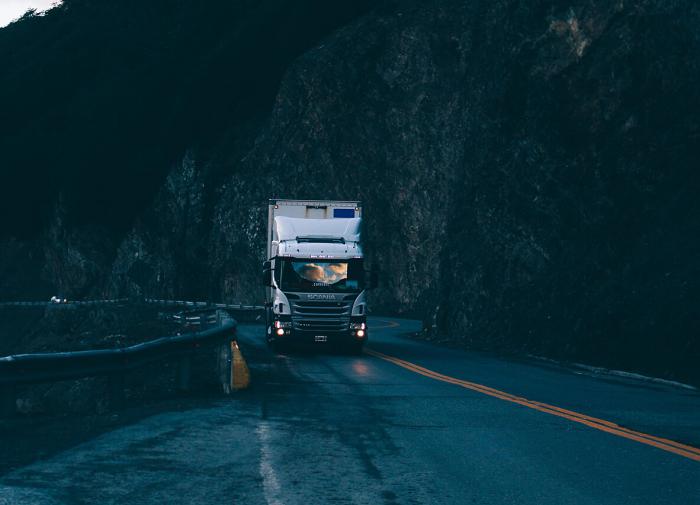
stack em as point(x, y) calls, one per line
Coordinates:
point(314, 276)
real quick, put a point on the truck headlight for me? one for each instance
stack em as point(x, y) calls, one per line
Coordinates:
point(283, 324)
point(358, 326)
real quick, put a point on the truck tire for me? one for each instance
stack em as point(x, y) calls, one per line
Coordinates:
point(277, 347)
point(268, 323)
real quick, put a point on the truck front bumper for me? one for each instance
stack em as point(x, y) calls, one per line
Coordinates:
point(301, 337)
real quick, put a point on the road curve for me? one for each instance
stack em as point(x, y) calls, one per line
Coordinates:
point(402, 425)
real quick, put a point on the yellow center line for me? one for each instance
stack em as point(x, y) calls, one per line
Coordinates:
point(389, 324)
point(684, 450)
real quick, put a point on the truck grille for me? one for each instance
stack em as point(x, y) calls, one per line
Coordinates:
point(321, 316)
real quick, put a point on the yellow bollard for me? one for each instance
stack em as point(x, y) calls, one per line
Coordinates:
point(240, 375)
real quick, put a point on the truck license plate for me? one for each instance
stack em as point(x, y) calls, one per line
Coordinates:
point(321, 338)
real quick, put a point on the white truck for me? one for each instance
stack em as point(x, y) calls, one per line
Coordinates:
point(314, 276)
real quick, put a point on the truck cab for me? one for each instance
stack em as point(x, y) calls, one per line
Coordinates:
point(315, 279)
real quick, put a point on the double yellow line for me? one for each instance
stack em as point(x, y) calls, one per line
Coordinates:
point(686, 451)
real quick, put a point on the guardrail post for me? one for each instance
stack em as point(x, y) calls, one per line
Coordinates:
point(8, 400)
point(224, 366)
point(184, 372)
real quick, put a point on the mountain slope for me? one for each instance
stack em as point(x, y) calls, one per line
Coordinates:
point(528, 172)
point(100, 98)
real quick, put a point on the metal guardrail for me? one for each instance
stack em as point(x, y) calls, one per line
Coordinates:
point(72, 302)
point(183, 303)
point(242, 312)
point(35, 368)
point(22, 369)
point(151, 301)
point(194, 320)
point(51, 367)
point(196, 317)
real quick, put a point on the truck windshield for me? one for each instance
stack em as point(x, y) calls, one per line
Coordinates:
point(324, 276)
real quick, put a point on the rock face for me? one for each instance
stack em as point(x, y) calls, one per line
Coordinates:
point(529, 175)
point(528, 172)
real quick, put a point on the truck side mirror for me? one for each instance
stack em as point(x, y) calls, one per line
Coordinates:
point(267, 274)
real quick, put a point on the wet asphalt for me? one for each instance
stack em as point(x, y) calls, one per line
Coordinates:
point(325, 428)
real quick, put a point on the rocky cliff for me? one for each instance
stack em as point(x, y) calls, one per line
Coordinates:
point(529, 174)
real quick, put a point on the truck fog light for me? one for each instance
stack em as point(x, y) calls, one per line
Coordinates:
point(280, 331)
point(360, 333)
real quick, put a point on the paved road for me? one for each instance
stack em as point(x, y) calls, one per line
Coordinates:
point(373, 429)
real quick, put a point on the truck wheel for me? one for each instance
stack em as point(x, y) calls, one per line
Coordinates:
point(277, 347)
